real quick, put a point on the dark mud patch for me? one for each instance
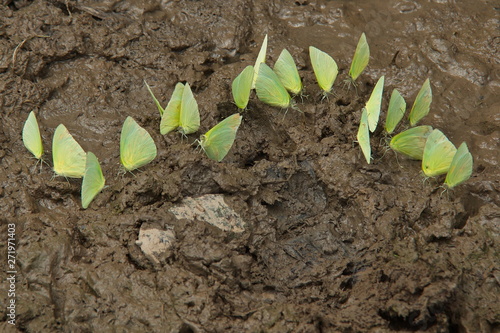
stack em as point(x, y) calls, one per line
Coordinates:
point(331, 244)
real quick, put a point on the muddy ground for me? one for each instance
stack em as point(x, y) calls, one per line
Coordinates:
point(331, 244)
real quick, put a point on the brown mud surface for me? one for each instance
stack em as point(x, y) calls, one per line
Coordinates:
point(331, 244)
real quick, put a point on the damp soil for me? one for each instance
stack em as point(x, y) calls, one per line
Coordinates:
point(331, 244)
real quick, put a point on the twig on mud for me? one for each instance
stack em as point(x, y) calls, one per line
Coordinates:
point(67, 8)
point(21, 45)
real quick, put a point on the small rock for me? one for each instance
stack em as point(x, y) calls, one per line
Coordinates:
point(155, 243)
point(210, 208)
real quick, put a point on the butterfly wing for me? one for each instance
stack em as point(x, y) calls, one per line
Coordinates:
point(190, 116)
point(261, 58)
point(364, 136)
point(411, 142)
point(93, 180)
point(158, 105)
point(68, 156)
point(218, 140)
point(269, 88)
point(438, 154)
point(360, 58)
point(422, 103)
point(395, 111)
point(31, 136)
point(460, 168)
point(171, 117)
point(137, 147)
point(287, 72)
point(374, 103)
point(325, 68)
point(241, 87)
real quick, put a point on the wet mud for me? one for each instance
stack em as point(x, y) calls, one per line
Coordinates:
point(330, 243)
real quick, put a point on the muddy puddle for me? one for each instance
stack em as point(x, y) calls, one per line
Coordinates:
point(324, 242)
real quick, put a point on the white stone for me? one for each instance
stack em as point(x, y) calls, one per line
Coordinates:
point(210, 208)
point(155, 242)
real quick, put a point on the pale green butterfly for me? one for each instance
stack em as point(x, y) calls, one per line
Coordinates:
point(438, 154)
point(93, 180)
point(220, 138)
point(68, 156)
point(411, 142)
point(241, 87)
point(137, 147)
point(158, 105)
point(395, 111)
point(189, 119)
point(360, 58)
point(31, 136)
point(287, 72)
point(364, 136)
point(270, 90)
point(374, 103)
point(261, 58)
point(422, 103)
point(325, 69)
point(170, 119)
point(460, 168)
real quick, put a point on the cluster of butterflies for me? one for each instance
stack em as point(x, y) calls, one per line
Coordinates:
point(137, 149)
point(438, 155)
point(182, 113)
point(273, 86)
